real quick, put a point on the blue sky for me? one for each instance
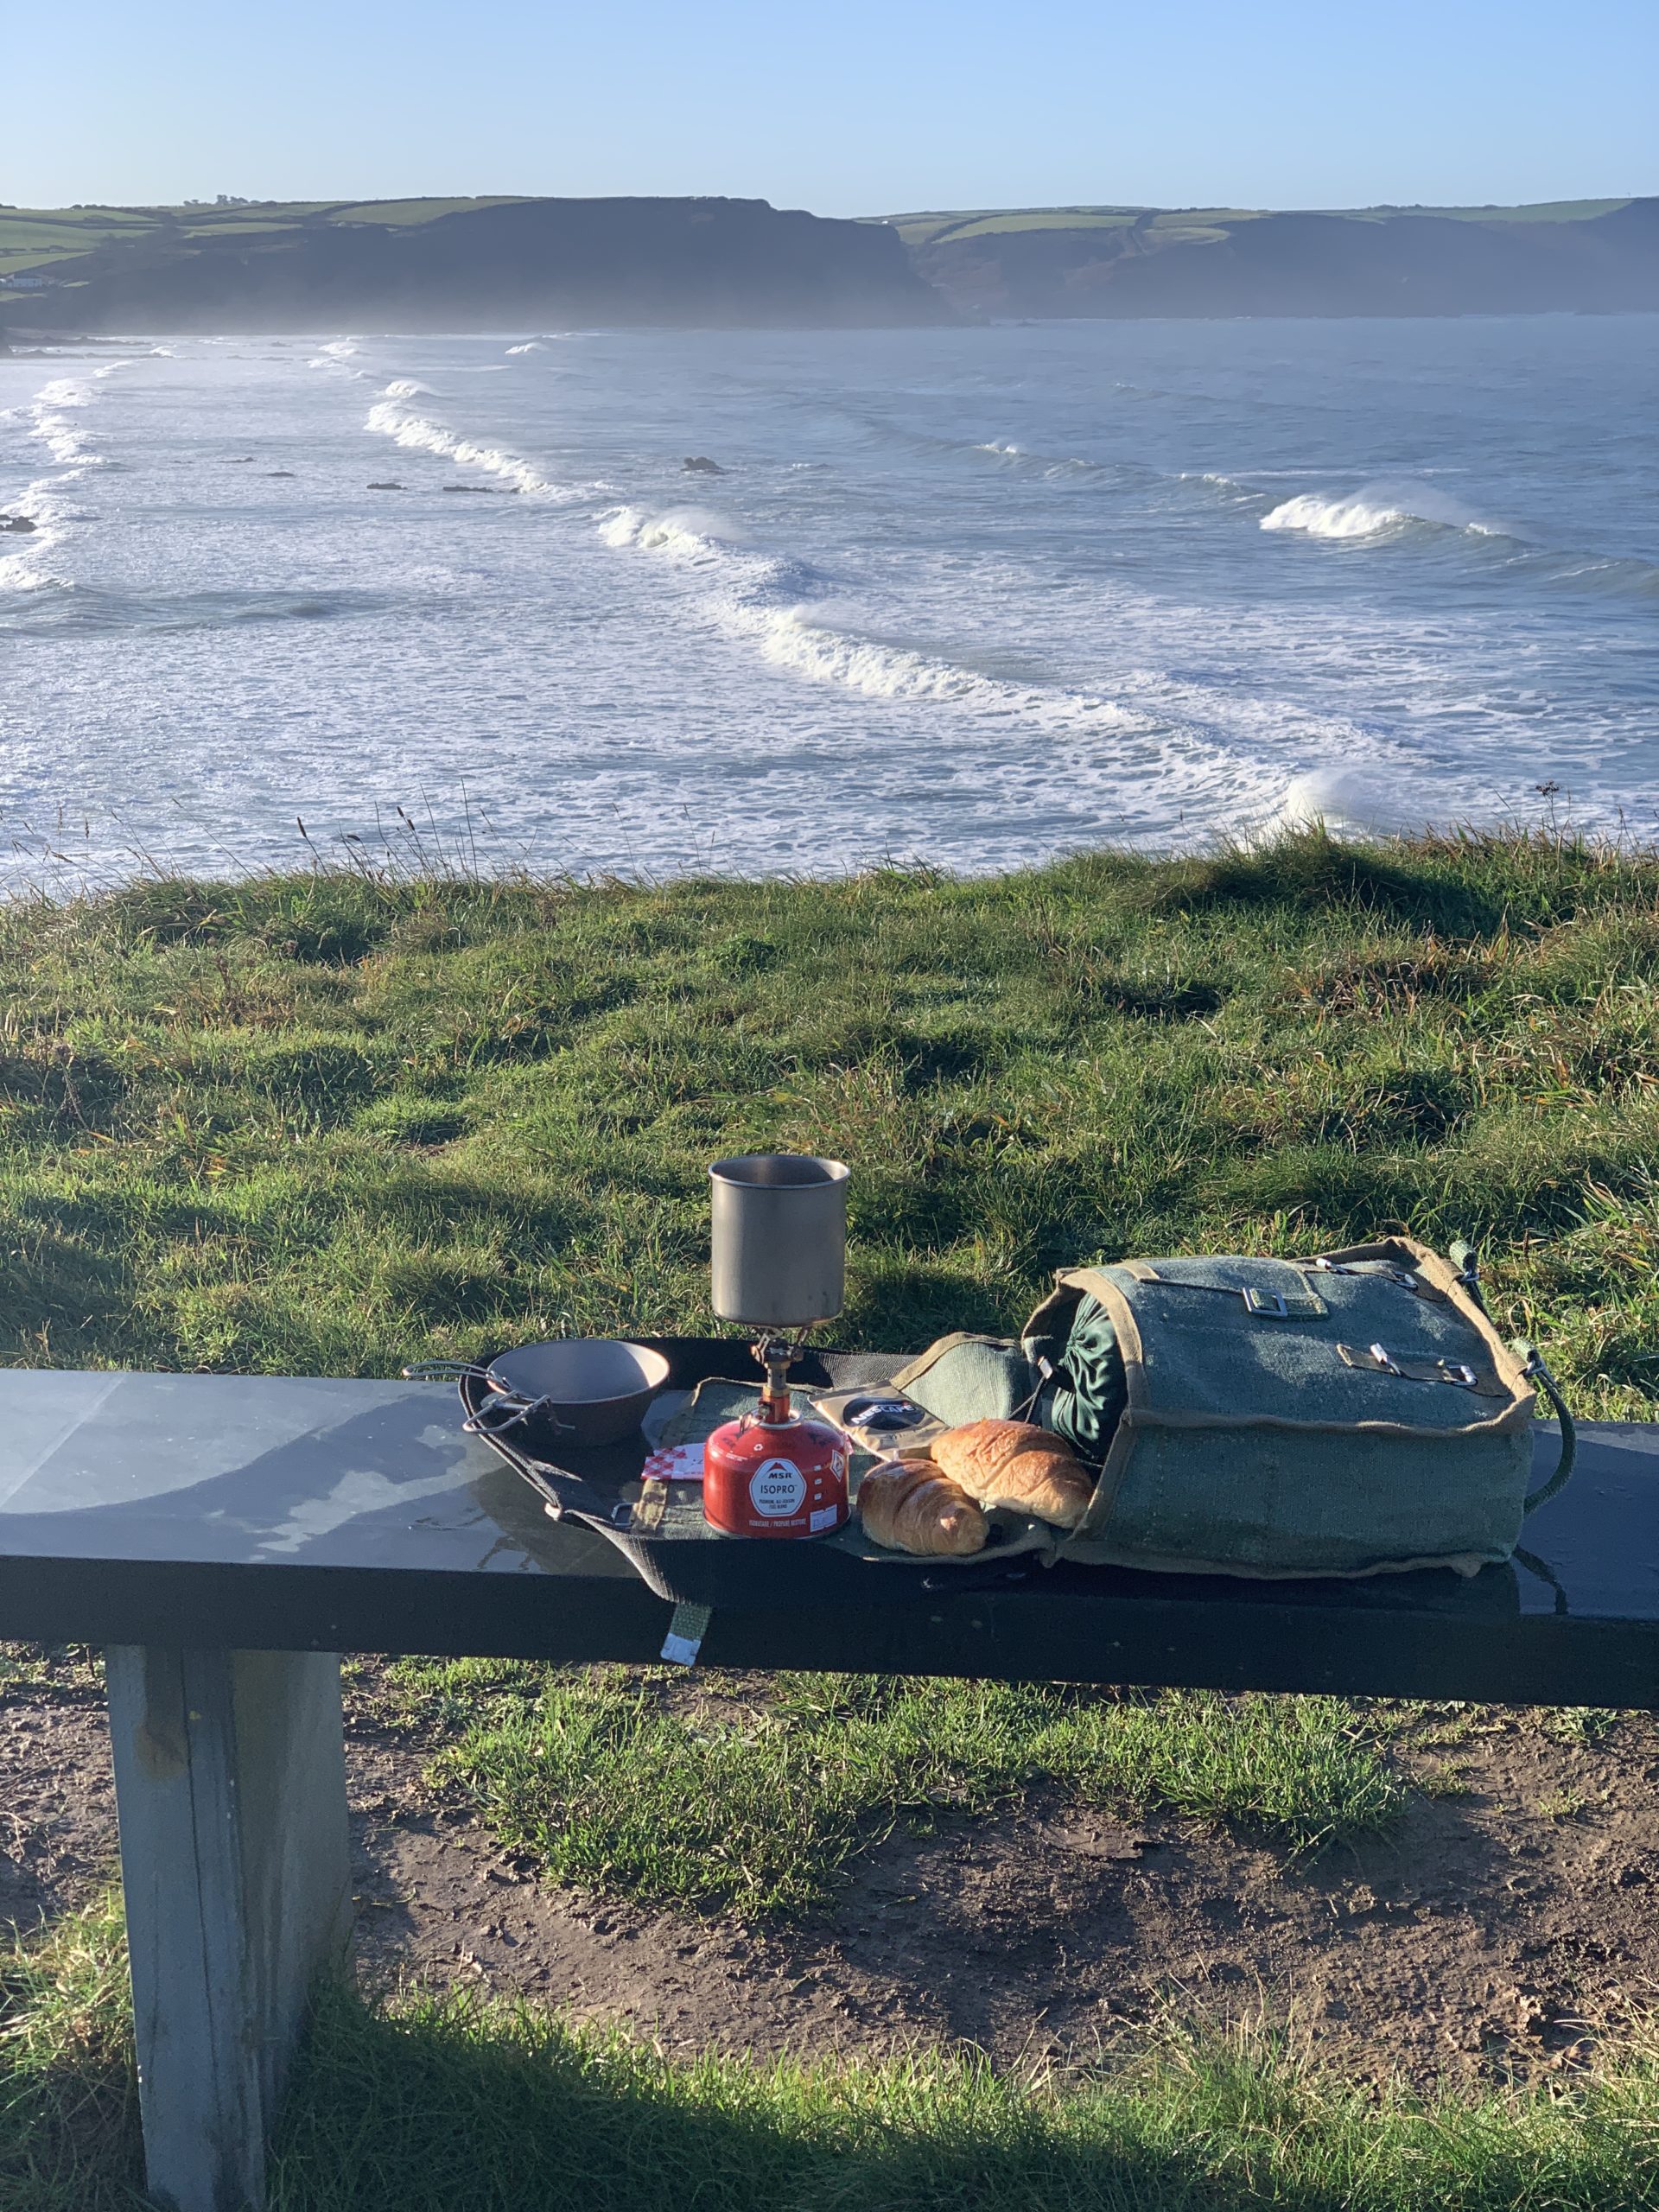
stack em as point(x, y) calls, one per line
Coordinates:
point(861, 109)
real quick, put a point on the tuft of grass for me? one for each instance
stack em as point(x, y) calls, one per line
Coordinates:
point(606, 1780)
point(71, 1671)
point(68, 2101)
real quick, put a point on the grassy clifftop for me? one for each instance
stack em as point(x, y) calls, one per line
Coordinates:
point(326, 1123)
point(1576, 254)
point(450, 265)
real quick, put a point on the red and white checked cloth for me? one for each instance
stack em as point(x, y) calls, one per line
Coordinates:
point(676, 1463)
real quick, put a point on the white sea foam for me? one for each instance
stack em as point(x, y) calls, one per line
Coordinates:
point(407, 388)
point(531, 346)
point(57, 420)
point(25, 562)
point(54, 417)
point(66, 441)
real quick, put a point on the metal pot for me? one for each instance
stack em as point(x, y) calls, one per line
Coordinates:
point(779, 1240)
point(572, 1393)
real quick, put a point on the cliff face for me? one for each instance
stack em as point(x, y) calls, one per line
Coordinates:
point(1405, 263)
point(688, 262)
point(516, 264)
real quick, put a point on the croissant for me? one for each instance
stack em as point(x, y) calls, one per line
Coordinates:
point(1014, 1463)
point(910, 1506)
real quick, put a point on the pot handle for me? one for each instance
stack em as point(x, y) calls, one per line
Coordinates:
point(500, 1412)
point(442, 1370)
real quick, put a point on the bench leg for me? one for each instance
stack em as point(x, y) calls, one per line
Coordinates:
point(230, 1781)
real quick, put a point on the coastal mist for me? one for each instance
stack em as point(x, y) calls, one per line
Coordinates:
point(968, 596)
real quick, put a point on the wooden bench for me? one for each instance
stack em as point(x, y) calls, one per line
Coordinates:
point(225, 1539)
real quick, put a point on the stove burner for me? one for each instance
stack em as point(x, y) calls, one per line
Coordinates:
point(883, 1414)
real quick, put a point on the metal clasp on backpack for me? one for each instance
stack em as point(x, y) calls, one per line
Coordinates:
point(1403, 1276)
point(1454, 1371)
point(1265, 1301)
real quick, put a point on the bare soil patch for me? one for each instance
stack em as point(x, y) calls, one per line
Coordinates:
point(1502, 1930)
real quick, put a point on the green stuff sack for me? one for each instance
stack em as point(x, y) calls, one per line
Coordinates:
point(1066, 1372)
point(1352, 1415)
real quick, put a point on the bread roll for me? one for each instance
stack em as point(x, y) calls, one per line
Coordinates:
point(1015, 1463)
point(909, 1505)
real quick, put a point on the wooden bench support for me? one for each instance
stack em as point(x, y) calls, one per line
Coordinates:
point(229, 1782)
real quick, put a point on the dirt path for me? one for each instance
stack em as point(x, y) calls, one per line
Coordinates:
point(1499, 1931)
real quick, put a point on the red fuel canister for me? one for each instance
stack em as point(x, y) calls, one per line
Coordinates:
point(772, 1474)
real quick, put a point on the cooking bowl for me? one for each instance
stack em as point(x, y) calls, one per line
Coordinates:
point(579, 1391)
point(575, 1392)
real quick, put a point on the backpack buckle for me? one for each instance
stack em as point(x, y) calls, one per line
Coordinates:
point(1380, 1361)
point(1270, 1302)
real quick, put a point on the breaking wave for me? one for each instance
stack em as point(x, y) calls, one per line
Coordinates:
point(407, 388)
point(1044, 464)
point(532, 346)
point(767, 601)
point(338, 356)
point(1382, 513)
point(1375, 512)
point(389, 418)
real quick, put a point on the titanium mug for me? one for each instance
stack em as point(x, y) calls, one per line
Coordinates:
point(780, 1238)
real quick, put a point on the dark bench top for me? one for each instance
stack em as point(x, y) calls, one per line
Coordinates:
point(276, 1513)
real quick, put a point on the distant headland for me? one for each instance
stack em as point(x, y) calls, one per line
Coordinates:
point(498, 263)
point(1583, 256)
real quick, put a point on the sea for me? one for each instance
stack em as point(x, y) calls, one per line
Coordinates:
point(968, 598)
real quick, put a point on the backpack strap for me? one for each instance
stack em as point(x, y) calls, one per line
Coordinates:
point(1534, 1367)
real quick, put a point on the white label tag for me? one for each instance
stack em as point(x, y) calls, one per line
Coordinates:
point(825, 1517)
point(777, 1488)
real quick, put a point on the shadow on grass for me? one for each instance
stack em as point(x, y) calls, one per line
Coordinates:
point(439, 2104)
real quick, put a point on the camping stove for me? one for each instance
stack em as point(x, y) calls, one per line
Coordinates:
point(771, 1472)
point(780, 1250)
